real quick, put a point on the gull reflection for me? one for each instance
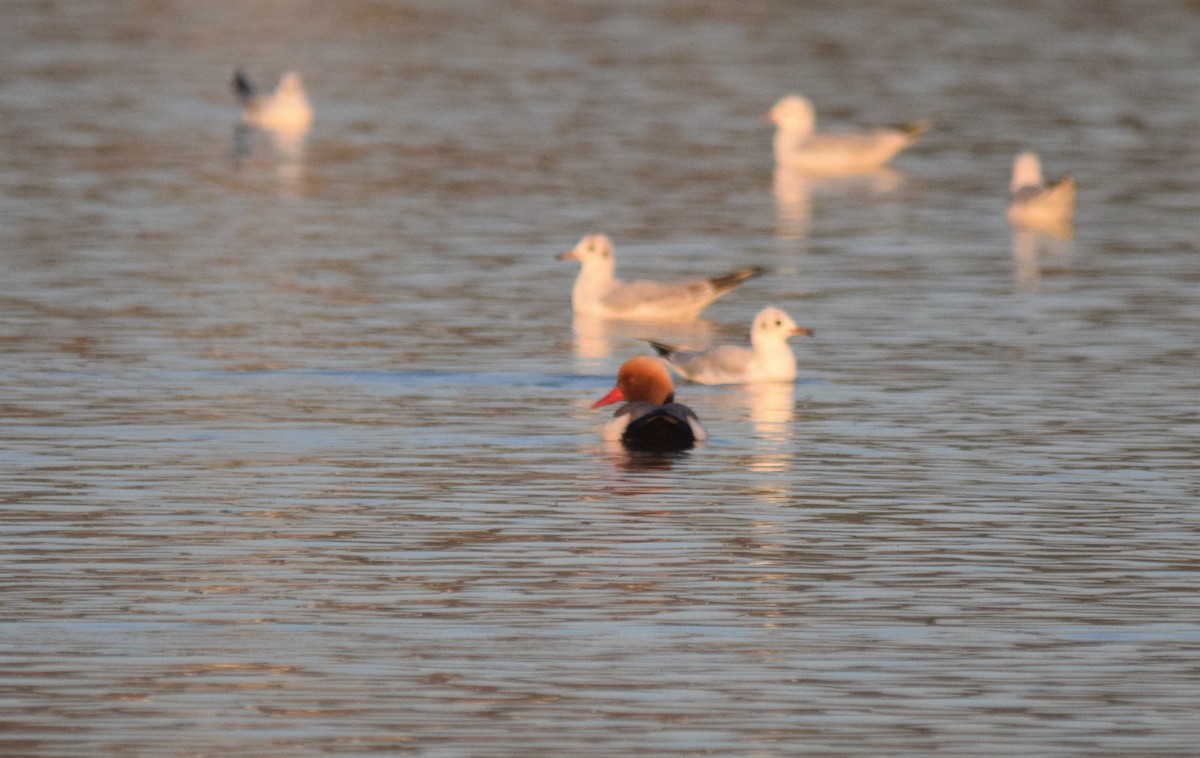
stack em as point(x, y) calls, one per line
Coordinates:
point(287, 148)
point(793, 203)
point(772, 409)
point(289, 151)
point(1030, 244)
point(793, 190)
point(596, 338)
point(772, 412)
point(593, 337)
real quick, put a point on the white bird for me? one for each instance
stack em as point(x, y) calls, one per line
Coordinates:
point(286, 109)
point(768, 359)
point(798, 144)
point(598, 292)
point(650, 419)
point(1033, 201)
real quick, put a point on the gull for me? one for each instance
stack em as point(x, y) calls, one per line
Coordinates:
point(768, 359)
point(286, 109)
point(650, 419)
point(598, 292)
point(1033, 201)
point(798, 145)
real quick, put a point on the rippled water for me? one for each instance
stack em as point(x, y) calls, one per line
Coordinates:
point(297, 455)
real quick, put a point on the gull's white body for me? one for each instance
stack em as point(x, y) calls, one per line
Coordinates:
point(286, 109)
point(768, 359)
point(1033, 201)
point(597, 291)
point(798, 145)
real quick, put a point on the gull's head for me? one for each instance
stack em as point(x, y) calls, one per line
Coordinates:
point(593, 251)
point(773, 325)
point(794, 113)
point(290, 84)
point(1027, 172)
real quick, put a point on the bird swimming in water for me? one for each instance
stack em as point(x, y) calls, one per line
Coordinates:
point(650, 420)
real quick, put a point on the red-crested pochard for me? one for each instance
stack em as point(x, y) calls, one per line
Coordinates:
point(650, 419)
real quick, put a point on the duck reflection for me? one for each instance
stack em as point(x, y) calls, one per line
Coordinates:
point(793, 190)
point(623, 459)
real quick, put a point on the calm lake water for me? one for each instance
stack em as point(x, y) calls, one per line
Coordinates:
point(297, 456)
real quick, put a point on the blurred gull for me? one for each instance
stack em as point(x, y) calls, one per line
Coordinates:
point(598, 292)
point(1034, 203)
point(799, 146)
point(284, 110)
point(768, 359)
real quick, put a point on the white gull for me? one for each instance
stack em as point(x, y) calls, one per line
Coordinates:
point(598, 292)
point(768, 359)
point(1033, 201)
point(798, 145)
point(286, 109)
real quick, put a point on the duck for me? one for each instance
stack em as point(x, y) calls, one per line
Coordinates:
point(650, 420)
point(598, 293)
point(1035, 202)
point(285, 109)
point(768, 359)
point(798, 145)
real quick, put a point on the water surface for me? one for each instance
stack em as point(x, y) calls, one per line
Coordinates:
point(297, 455)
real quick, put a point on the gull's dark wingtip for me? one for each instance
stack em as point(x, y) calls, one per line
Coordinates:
point(734, 278)
point(242, 86)
point(662, 349)
point(917, 128)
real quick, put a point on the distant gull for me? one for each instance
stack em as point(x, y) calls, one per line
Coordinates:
point(798, 145)
point(1033, 201)
point(598, 292)
point(768, 359)
point(286, 109)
